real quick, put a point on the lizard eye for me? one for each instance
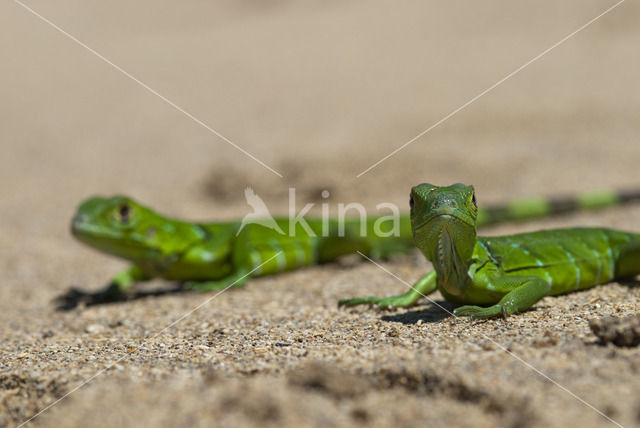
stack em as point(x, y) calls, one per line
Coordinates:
point(473, 199)
point(124, 212)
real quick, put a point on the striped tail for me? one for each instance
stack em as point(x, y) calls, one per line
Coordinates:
point(533, 208)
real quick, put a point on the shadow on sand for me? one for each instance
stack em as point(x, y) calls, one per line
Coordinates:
point(76, 296)
point(432, 313)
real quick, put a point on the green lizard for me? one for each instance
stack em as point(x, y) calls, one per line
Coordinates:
point(209, 256)
point(505, 274)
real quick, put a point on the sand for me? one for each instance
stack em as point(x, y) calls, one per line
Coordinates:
point(318, 92)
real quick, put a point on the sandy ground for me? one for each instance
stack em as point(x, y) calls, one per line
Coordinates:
point(319, 92)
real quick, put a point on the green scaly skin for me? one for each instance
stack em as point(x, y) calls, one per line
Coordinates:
point(500, 276)
point(210, 256)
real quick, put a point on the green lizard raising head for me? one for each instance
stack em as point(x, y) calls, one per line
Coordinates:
point(502, 275)
point(443, 221)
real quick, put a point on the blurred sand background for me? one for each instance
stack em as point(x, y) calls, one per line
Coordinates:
point(319, 91)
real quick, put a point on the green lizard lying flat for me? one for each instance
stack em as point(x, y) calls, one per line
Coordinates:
point(507, 273)
point(208, 256)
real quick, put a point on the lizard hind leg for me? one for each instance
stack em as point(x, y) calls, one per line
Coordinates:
point(628, 264)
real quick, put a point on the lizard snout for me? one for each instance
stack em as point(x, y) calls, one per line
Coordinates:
point(446, 206)
point(78, 218)
point(77, 222)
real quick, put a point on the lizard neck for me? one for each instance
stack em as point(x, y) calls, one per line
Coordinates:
point(451, 257)
point(451, 268)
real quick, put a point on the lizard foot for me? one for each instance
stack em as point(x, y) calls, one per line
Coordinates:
point(382, 302)
point(480, 312)
point(76, 296)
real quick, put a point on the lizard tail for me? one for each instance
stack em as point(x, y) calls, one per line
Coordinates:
point(532, 208)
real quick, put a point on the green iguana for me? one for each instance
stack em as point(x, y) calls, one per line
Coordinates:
point(508, 274)
point(209, 256)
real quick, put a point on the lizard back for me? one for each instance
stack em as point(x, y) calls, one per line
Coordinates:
point(569, 259)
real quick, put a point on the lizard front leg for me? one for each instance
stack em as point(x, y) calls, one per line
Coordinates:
point(119, 286)
point(525, 292)
point(425, 286)
point(125, 279)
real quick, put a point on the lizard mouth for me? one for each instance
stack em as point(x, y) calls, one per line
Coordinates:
point(109, 241)
point(79, 228)
point(446, 216)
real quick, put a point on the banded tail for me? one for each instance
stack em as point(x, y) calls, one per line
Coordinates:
point(533, 208)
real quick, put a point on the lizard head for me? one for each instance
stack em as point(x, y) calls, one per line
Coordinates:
point(443, 222)
point(118, 226)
